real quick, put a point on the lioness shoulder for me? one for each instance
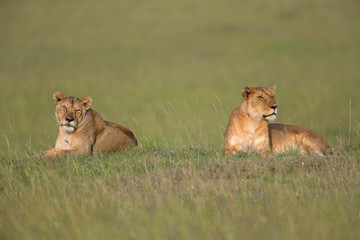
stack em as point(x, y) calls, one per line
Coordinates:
point(83, 131)
point(248, 128)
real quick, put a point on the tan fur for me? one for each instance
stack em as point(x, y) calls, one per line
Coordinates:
point(248, 128)
point(83, 131)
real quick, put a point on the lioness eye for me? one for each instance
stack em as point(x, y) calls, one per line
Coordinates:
point(64, 108)
point(77, 111)
point(260, 98)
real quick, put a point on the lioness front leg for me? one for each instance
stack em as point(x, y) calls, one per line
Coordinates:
point(264, 149)
point(233, 149)
point(53, 153)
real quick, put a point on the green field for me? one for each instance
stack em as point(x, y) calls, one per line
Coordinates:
point(172, 72)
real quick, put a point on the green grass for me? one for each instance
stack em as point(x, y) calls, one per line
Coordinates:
point(172, 72)
point(187, 193)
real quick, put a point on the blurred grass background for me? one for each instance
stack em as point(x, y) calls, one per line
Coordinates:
point(142, 60)
point(172, 71)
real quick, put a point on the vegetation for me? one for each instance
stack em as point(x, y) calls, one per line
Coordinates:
point(172, 72)
point(188, 193)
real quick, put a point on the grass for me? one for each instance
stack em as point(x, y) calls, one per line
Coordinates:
point(180, 194)
point(172, 72)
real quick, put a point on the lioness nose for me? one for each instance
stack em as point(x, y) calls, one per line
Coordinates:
point(69, 119)
point(273, 107)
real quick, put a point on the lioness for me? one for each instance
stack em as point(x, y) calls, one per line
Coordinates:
point(248, 128)
point(83, 131)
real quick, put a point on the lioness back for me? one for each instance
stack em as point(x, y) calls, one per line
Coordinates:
point(114, 138)
point(287, 137)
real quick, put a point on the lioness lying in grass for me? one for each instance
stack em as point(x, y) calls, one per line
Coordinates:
point(248, 128)
point(83, 131)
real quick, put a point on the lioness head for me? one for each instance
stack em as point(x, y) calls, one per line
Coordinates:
point(70, 111)
point(261, 102)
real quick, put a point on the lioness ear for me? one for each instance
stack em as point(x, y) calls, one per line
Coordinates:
point(86, 101)
point(272, 88)
point(247, 91)
point(58, 96)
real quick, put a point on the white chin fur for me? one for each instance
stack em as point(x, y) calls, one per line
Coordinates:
point(271, 118)
point(68, 129)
